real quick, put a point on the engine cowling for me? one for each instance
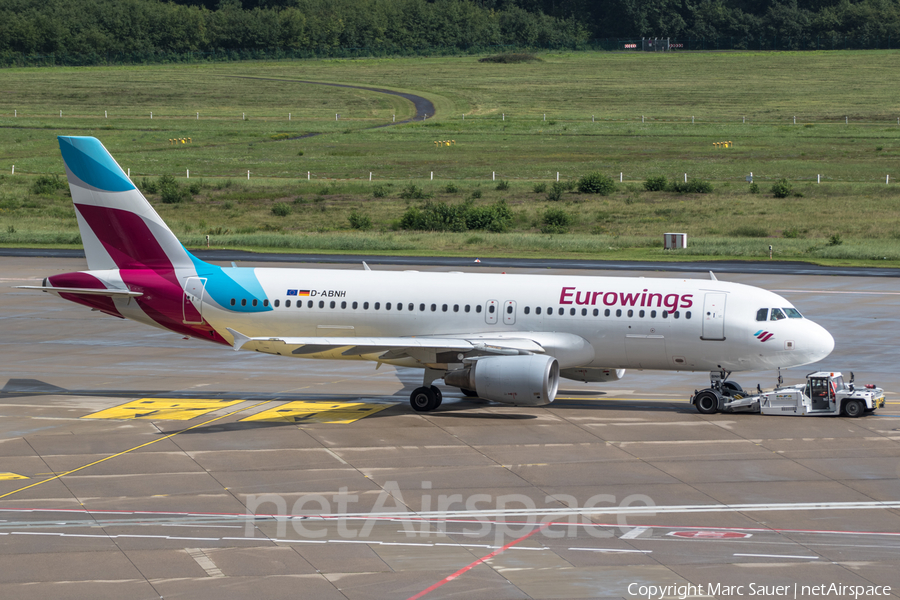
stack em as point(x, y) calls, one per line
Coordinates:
point(530, 380)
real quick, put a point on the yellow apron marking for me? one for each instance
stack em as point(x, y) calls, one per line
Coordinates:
point(162, 409)
point(318, 412)
point(150, 443)
point(10, 476)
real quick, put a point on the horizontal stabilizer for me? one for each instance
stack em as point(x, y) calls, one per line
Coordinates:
point(111, 293)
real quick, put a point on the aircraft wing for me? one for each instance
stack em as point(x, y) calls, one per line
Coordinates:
point(112, 293)
point(424, 349)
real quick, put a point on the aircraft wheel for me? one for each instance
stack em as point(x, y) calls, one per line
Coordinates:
point(854, 408)
point(469, 393)
point(707, 402)
point(733, 388)
point(437, 394)
point(423, 399)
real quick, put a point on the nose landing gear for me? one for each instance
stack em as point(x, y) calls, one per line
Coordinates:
point(712, 399)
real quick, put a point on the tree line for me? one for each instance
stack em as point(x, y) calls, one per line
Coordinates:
point(105, 28)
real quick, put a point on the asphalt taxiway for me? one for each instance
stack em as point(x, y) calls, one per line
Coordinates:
point(136, 464)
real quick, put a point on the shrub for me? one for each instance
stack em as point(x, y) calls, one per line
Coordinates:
point(47, 184)
point(195, 187)
point(281, 209)
point(414, 192)
point(475, 195)
point(655, 183)
point(502, 185)
point(379, 191)
point(539, 188)
point(451, 188)
point(170, 192)
point(358, 221)
point(556, 220)
point(693, 186)
point(754, 188)
point(596, 183)
point(835, 240)
point(495, 218)
point(148, 186)
point(782, 189)
point(556, 191)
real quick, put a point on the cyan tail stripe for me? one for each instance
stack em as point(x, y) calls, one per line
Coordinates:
point(88, 160)
point(224, 284)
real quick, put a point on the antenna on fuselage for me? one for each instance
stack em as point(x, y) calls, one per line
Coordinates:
point(366, 266)
point(712, 276)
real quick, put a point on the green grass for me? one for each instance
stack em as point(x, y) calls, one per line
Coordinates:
point(719, 90)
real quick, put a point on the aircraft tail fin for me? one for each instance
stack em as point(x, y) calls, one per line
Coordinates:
point(119, 228)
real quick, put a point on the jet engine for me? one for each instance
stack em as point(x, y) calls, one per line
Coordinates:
point(529, 380)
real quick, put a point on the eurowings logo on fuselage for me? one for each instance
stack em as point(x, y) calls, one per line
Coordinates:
point(763, 336)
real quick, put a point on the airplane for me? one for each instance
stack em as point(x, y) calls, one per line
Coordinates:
point(503, 337)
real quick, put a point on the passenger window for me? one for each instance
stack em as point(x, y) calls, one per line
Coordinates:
point(527, 310)
point(583, 312)
point(365, 306)
point(232, 301)
point(276, 303)
point(254, 302)
point(332, 304)
point(571, 311)
point(509, 310)
point(433, 307)
point(377, 305)
point(676, 314)
point(344, 304)
point(490, 308)
point(386, 306)
point(411, 307)
point(618, 312)
point(468, 308)
point(777, 315)
point(537, 310)
point(309, 304)
point(652, 314)
point(562, 311)
point(793, 313)
point(456, 308)
point(321, 304)
point(354, 305)
point(762, 314)
point(687, 314)
point(422, 308)
point(606, 313)
point(444, 308)
point(641, 314)
point(630, 313)
point(665, 314)
point(596, 312)
point(266, 302)
point(287, 303)
point(478, 308)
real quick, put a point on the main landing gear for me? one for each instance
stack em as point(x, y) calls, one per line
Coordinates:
point(425, 399)
point(709, 401)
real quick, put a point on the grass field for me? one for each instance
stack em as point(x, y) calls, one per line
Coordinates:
point(610, 112)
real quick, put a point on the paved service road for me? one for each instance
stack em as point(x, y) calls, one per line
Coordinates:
point(136, 464)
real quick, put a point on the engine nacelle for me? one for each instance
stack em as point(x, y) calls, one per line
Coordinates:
point(590, 374)
point(529, 380)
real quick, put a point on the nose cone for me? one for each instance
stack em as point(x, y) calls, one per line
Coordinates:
point(820, 342)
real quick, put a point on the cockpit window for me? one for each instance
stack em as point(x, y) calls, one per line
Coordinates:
point(793, 313)
point(777, 315)
point(762, 314)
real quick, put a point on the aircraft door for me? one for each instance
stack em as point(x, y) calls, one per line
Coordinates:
point(194, 288)
point(509, 312)
point(491, 308)
point(714, 316)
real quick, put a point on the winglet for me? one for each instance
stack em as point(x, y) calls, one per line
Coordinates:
point(239, 338)
point(366, 266)
point(712, 276)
